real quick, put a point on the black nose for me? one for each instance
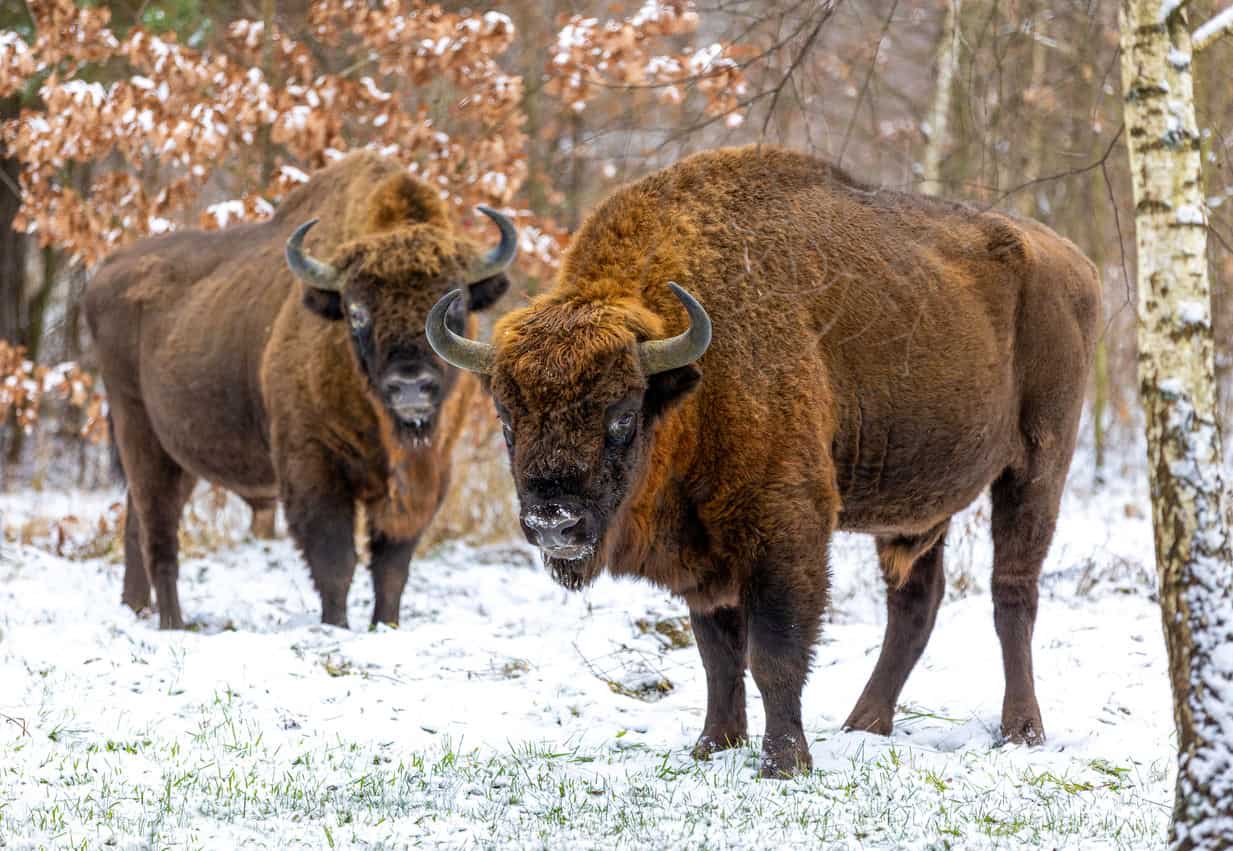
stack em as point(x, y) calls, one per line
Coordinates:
point(558, 528)
point(415, 389)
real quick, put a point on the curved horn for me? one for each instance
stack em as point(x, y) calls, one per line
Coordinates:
point(498, 259)
point(318, 275)
point(686, 347)
point(457, 351)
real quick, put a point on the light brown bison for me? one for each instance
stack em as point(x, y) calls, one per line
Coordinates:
point(878, 360)
point(316, 388)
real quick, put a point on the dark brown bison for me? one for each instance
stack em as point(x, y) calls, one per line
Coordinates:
point(878, 360)
point(316, 388)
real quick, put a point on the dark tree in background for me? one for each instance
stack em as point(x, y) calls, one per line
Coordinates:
point(544, 108)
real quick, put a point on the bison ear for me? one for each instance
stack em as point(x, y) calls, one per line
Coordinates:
point(665, 389)
point(485, 293)
point(326, 304)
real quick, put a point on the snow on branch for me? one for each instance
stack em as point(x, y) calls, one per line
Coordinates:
point(1220, 24)
point(251, 115)
point(622, 53)
point(255, 113)
point(25, 385)
point(1169, 8)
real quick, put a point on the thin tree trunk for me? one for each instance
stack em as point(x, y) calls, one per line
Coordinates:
point(36, 308)
point(1176, 378)
point(939, 111)
point(1027, 201)
point(573, 194)
point(1212, 85)
point(12, 244)
point(265, 142)
point(1100, 370)
point(31, 336)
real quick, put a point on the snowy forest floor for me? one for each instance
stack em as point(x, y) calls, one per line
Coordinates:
point(506, 712)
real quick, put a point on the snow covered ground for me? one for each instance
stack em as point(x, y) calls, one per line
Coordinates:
point(505, 712)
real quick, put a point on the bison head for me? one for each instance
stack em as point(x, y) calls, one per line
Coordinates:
point(383, 284)
point(580, 386)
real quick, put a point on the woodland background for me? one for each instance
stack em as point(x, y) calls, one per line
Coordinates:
point(128, 118)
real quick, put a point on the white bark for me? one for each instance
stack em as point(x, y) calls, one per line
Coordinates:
point(1176, 374)
point(946, 59)
point(1168, 8)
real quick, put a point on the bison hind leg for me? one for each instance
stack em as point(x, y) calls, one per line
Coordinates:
point(915, 582)
point(1025, 506)
point(157, 490)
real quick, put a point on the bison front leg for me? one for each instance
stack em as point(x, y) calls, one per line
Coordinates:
point(136, 593)
point(784, 606)
point(320, 514)
point(390, 564)
point(721, 637)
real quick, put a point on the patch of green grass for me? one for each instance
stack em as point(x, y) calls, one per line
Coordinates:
point(231, 782)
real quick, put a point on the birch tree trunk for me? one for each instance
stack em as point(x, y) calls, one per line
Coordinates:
point(1176, 380)
point(939, 111)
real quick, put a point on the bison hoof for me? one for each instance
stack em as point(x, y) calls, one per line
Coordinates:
point(1024, 731)
point(784, 757)
point(870, 719)
point(335, 618)
point(385, 612)
point(170, 620)
point(713, 743)
point(140, 605)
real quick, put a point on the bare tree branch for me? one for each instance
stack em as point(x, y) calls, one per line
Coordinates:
point(10, 185)
point(1121, 244)
point(873, 65)
point(1062, 174)
point(827, 11)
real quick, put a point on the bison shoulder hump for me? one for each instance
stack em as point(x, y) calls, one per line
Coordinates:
point(150, 277)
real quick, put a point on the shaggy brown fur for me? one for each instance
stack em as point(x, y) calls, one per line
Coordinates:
point(878, 360)
point(220, 364)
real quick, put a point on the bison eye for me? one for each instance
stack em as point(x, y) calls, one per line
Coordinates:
point(621, 428)
point(360, 317)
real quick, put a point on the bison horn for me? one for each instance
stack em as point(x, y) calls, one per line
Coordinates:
point(453, 349)
point(684, 348)
point(498, 259)
point(318, 275)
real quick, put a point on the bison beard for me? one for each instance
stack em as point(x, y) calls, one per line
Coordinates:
point(879, 360)
point(319, 392)
point(573, 574)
